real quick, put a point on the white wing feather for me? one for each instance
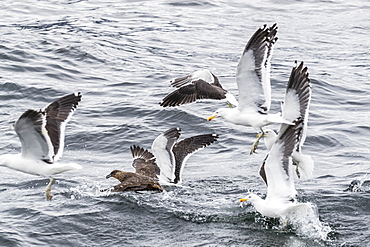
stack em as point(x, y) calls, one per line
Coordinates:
point(290, 107)
point(248, 82)
point(162, 151)
point(280, 184)
point(36, 144)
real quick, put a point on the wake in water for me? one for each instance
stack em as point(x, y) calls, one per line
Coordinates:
point(96, 190)
point(85, 190)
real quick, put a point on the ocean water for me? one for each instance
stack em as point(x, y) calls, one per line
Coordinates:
point(121, 56)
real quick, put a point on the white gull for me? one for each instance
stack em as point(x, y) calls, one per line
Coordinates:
point(253, 79)
point(280, 200)
point(42, 135)
point(296, 105)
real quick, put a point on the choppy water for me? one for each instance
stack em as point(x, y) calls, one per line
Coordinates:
point(121, 55)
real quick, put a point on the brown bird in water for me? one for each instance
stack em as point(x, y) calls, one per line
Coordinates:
point(145, 176)
point(164, 167)
point(131, 181)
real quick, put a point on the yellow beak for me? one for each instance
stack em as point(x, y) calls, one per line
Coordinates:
point(211, 117)
point(260, 135)
point(243, 200)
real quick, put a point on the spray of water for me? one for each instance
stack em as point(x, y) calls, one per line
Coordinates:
point(305, 222)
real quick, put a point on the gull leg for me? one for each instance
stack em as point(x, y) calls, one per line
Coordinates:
point(229, 104)
point(296, 169)
point(48, 194)
point(255, 144)
point(284, 226)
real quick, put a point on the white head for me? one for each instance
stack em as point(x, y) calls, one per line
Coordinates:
point(269, 133)
point(270, 138)
point(252, 198)
point(222, 112)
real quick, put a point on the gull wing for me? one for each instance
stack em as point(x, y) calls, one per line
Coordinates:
point(144, 162)
point(162, 150)
point(189, 93)
point(253, 71)
point(30, 128)
point(203, 74)
point(262, 171)
point(297, 99)
point(58, 114)
point(185, 148)
point(278, 167)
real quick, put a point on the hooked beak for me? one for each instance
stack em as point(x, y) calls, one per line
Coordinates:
point(211, 117)
point(243, 200)
point(108, 176)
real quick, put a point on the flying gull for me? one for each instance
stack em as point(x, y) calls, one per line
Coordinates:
point(202, 84)
point(164, 166)
point(280, 199)
point(253, 79)
point(42, 135)
point(296, 103)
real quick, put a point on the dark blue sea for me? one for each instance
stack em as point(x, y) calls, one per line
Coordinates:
point(121, 55)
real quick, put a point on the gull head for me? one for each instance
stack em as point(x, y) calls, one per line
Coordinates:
point(270, 137)
point(268, 133)
point(221, 112)
point(250, 198)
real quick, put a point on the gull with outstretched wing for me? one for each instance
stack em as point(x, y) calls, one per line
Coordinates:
point(42, 134)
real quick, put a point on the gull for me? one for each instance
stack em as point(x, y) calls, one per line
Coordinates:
point(253, 80)
point(164, 165)
point(296, 105)
point(280, 200)
point(201, 84)
point(42, 133)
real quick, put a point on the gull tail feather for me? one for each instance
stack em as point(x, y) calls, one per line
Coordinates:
point(59, 168)
point(277, 118)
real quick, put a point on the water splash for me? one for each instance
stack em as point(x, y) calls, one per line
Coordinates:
point(305, 222)
point(85, 190)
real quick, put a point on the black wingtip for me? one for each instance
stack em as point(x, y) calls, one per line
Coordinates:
point(32, 113)
point(168, 103)
point(172, 133)
point(79, 95)
point(139, 152)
